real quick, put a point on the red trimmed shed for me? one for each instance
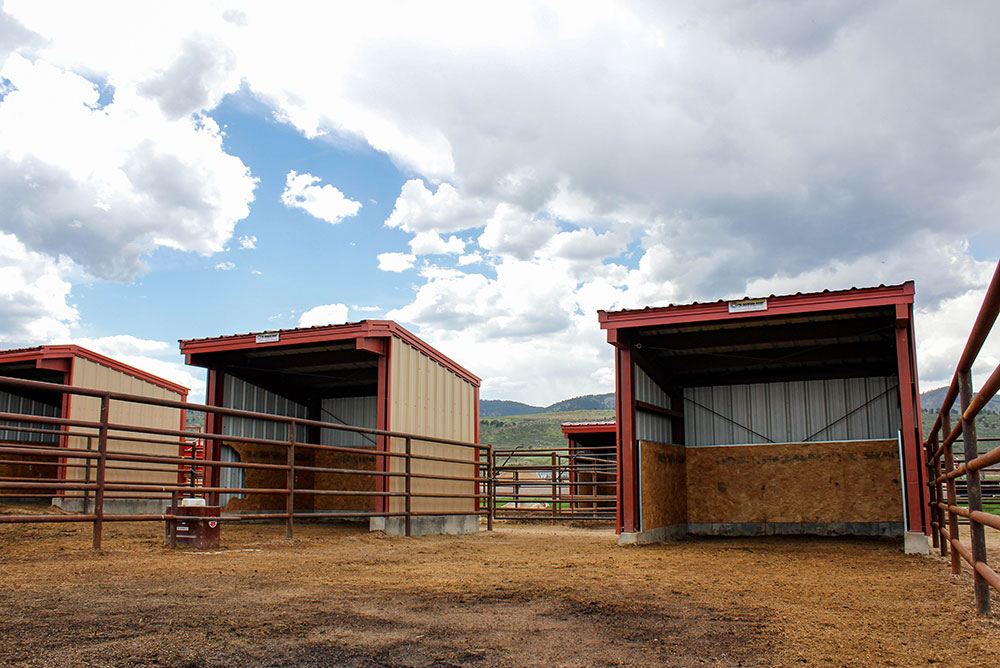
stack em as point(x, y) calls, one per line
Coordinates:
point(785, 414)
point(79, 367)
point(593, 463)
point(372, 374)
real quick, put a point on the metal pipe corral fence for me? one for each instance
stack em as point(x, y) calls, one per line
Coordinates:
point(136, 462)
point(942, 468)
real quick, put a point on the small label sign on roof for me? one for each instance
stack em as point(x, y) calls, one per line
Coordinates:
point(744, 305)
point(268, 338)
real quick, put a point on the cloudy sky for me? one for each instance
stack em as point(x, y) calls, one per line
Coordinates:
point(489, 175)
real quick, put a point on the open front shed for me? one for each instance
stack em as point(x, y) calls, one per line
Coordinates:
point(593, 465)
point(78, 367)
point(372, 374)
point(788, 414)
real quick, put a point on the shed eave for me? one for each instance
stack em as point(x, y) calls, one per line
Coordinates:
point(347, 331)
point(52, 352)
point(777, 305)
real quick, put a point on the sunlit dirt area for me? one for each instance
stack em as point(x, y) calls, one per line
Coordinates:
point(523, 595)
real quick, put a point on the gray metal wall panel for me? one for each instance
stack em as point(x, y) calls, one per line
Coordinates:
point(792, 412)
point(353, 411)
point(245, 396)
point(12, 403)
point(647, 390)
point(836, 407)
point(857, 424)
point(231, 477)
point(650, 426)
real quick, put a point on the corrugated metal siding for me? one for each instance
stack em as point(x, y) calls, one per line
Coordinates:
point(792, 412)
point(231, 477)
point(95, 376)
point(650, 426)
point(241, 395)
point(12, 403)
point(427, 399)
point(353, 411)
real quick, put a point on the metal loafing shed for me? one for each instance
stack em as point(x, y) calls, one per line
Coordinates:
point(373, 374)
point(79, 367)
point(593, 468)
point(786, 414)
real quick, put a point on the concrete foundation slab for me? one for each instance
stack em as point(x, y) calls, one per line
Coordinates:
point(427, 526)
point(660, 535)
point(115, 506)
point(914, 542)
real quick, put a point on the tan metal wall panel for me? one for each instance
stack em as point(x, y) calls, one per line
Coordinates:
point(427, 399)
point(95, 376)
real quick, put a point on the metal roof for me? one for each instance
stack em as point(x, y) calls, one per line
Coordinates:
point(260, 342)
point(775, 305)
point(51, 352)
point(591, 427)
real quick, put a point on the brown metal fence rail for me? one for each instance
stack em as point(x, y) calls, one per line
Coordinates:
point(555, 484)
point(41, 457)
point(942, 467)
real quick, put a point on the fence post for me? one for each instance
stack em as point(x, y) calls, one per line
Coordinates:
point(490, 488)
point(974, 494)
point(949, 461)
point(290, 481)
point(933, 471)
point(407, 520)
point(172, 523)
point(555, 489)
point(102, 458)
point(86, 476)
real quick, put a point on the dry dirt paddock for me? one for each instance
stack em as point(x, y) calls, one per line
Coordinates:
point(520, 596)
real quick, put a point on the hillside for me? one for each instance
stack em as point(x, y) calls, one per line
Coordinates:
point(586, 402)
point(538, 430)
point(932, 399)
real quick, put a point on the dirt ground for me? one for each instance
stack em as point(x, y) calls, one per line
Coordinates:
point(520, 596)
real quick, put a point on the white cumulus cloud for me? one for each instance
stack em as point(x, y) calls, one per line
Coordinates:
point(325, 314)
point(323, 202)
point(431, 243)
point(396, 262)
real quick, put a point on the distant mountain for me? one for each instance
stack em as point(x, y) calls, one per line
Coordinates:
point(588, 402)
point(931, 400)
point(501, 408)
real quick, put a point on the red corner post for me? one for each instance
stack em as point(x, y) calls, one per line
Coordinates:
point(913, 464)
point(628, 461)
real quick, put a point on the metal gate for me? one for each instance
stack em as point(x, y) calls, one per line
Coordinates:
point(554, 483)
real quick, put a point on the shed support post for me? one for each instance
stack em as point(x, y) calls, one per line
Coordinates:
point(628, 465)
point(975, 495)
point(290, 482)
point(915, 496)
point(102, 460)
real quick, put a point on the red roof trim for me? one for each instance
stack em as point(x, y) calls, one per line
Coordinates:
point(777, 305)
point(67, 351)
point(346, 331)
point(596, 427)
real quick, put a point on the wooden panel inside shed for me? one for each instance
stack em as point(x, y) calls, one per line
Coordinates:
point(277, 479)
point(664, 482)
point(852, 481)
